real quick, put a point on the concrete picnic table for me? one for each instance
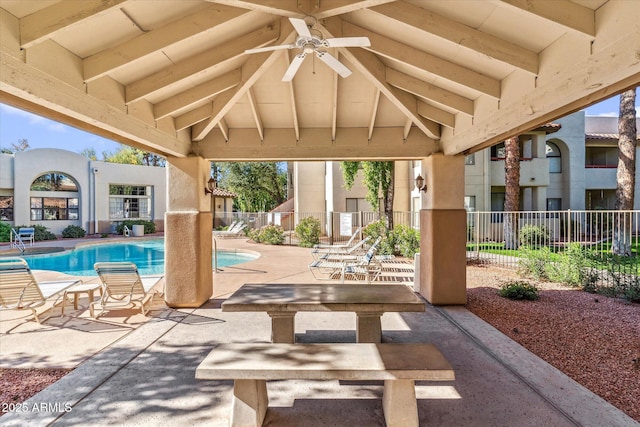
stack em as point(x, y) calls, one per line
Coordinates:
point(283, 301)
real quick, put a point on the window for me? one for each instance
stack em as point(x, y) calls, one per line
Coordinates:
point(470, 203)
point(130, 201)
point(54, 208)
point(498, 152)
point(554, 204)
point(54, 181)
point(470, 159)
point(356, 205)
point(601, 157)
point(555, 158)
point(6, 208)
point(497, 206)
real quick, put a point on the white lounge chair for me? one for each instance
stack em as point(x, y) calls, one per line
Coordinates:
point(338, 266)
point(122, 287)
point(345, 245)
point(338, 251)
point(236, 230)
point(20, 290)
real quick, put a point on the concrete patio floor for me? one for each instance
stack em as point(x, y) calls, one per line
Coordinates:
point(137, 370)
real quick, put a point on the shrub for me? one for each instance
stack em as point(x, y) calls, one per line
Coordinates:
point(519, 290)
point(269, 234)
point(5, 232)
point(308, 232)
point(534, 236)
point(572, 266)
point(407, 240)
point(379, 229)
point(40, 232)
point(533, 262)
point(73, 232)
point(149, 226)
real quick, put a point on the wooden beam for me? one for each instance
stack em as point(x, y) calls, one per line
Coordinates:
point(202, 128)
point(111, 59)
point(198, 63)
point(436, 114)
point(273, 7)
point(255, 112)
point(292, 97)
point(26, 87)
point(429, 91)
point(564, 12)
point(224, 128)
point(316, 144)
point(334, 104)
point(197, 94)
point(197, 115)
point(252, 70)
point(301, 8)
point(374, 112)
point(45, 23)
point(424, 61)
point(460, 35)
point(407, 128)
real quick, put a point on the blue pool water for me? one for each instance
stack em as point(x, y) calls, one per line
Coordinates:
point(148, 255)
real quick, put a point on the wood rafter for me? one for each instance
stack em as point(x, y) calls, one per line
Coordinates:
point(197, 94)
point(301, 8)
point(198, 63)
point(334, 105)
point(429, 91)
point(374, 112)
point(460, 35)
point(256, 113)
point(108, 60)
point(564, 12)
point(45, 23)
point(436, 114)
point(224, 128)
point(406, 129)
point(424, 61)
point(292, 98)
point(194, 116)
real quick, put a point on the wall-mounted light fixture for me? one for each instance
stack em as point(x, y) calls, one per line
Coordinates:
point(211, 185)
point(420, 185)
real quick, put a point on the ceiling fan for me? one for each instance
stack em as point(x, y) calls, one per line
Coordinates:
point(310, 43)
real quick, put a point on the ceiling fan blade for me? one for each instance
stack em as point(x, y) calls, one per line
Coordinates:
point(293, 67)
point(332, 62)
point(270, 48)
point(347, 42)
point(300, 27)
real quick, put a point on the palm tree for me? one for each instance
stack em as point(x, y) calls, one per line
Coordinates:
point(626, 174)
point(512, 192)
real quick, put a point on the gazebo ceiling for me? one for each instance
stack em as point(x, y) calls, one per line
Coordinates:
point(171, 76)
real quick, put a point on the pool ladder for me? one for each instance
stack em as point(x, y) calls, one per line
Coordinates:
point(126, 231)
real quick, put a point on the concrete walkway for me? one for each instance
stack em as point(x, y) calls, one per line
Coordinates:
point(136, 370)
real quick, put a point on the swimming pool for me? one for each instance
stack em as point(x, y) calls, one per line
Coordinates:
point(148, 255)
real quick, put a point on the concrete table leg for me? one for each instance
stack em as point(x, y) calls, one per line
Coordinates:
point(282, 327)
point(368, 327)
point(250, 403)
point(399, 403)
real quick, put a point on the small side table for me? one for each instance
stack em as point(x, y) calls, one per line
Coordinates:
point(80, 288)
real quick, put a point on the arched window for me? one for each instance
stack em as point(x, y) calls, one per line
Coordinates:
point(555, 158)
point(50, 207)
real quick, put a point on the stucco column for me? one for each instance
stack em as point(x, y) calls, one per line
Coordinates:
point(443, 223)
point(188, 237)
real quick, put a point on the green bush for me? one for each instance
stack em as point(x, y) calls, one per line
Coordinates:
point(534, 235)
point(572, 266)
point(308, 232)
point(5, 232)
point(269, 234)
point(519, 290)
point(73, 232)
point(149, 226)
point(379, 229)
point(533, 262)
point(40, 232)
point(407, 240)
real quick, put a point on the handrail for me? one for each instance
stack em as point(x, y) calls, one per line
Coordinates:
point(215, 255)
point(16, 241)
point(126, 231)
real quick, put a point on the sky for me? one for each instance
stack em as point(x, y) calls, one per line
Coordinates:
point(16, 124)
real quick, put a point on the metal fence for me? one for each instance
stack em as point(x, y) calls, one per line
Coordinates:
point(602, 245)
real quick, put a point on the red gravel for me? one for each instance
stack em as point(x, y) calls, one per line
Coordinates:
point(593, 339)
point(17, 385)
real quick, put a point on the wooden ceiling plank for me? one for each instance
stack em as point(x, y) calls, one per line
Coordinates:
point(256, 113)
point(199, 63)
point(460, 34)
point(429, 91)
point(252, 70)
point(564, 12)
point(111, 59)
point(197, 94)
point(436, 114)
point(424, 61)
point(45, 23)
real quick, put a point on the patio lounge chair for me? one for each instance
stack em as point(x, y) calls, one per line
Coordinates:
point(233, 231)
point(337, 251)
point(337, 266)
point(346, 245)
point(20, 290)
point(122, 287)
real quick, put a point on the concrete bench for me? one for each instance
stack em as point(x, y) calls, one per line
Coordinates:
point(251, 364)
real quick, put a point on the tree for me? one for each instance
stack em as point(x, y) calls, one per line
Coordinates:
point(626, 173)
point(260, 186)
point(22, 145)
point(512, 190)
point(378, 177)
point(89, 153)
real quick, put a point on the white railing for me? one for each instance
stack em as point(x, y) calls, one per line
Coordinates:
point(16, 241)
point(125, 231)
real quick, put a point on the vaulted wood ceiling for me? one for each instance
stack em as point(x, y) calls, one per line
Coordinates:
point(171, 76)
